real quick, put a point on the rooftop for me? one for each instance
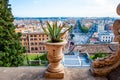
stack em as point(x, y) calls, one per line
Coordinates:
point(93, 48)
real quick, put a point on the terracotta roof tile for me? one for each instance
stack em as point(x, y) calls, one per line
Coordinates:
point(93, 48)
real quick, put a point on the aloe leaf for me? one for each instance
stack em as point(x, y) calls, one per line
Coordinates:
point(50, 30)
point(56, 29)
point(44, 29)
point(55, 32)
point(65, 31)
point(59, 30)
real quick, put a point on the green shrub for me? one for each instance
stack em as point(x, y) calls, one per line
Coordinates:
point(99, 55)
point(42, 57)
point(84, 29)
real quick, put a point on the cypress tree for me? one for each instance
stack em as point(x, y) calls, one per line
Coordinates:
point(11, 50)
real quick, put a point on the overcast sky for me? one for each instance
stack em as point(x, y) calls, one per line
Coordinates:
point(64, 8)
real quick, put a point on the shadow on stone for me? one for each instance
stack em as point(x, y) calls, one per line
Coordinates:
point(114, 75)
point(32, 76)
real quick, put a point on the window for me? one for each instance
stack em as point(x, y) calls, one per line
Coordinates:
point(32, 43)
point(36, 48)
point(35, 36)
point(43, 48)
point(36, 43)
point(32, 48)
point(31, 35)
point(31, 39)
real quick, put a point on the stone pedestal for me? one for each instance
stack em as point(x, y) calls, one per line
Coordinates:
point(58, 75)
point(55, 69)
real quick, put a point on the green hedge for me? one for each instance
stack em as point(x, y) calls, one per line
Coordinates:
point(34, 56)
point(99, 55)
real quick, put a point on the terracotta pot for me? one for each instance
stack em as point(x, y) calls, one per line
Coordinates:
point(54, 56)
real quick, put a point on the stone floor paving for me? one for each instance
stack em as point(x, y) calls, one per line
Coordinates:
point(37, 73)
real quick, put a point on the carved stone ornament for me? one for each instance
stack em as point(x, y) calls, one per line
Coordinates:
point(106, 65)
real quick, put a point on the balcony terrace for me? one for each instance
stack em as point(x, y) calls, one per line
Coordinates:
point(100, 69)
point(37, 73)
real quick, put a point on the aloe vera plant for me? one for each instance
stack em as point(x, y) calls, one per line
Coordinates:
point(55, 32)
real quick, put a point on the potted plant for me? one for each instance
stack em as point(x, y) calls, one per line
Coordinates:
point(54, 46)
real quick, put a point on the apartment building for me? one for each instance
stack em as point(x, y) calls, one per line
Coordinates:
point(106, 36)
point(33, 37)
point(35, 41)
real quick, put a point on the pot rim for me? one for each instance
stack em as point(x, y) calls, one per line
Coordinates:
point(57, 43)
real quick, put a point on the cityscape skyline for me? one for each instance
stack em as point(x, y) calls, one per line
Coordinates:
point(64, 8)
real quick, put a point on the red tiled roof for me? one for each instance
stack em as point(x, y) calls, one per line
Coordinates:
point(93, 48)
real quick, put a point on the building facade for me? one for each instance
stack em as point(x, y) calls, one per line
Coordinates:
point(35, 41)
point(106, 37)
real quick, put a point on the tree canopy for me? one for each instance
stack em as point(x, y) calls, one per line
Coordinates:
point(84, 29)
point(11, 50)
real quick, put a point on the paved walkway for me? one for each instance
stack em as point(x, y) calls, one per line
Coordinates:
point(37, 73)
point(71, 61)
point(75, 61)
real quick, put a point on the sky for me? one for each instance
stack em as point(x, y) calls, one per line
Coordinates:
point(64, 8)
